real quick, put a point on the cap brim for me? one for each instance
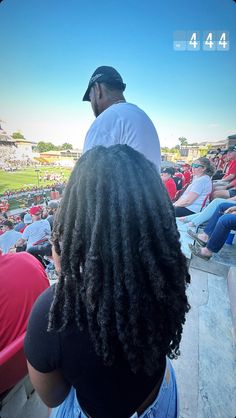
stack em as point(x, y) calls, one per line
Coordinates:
point(86, 95)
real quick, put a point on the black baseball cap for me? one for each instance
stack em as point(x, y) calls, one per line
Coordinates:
point(168, 170)
point(107, 75)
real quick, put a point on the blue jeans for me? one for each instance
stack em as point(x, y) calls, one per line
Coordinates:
point(219, 226)
point(203, 216)
point(166, 404)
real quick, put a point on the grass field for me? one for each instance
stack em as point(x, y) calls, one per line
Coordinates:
point(28, 177)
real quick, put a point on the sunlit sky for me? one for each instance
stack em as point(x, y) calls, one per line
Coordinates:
point(50, 48)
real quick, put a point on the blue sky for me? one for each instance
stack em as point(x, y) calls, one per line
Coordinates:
point(49, 49)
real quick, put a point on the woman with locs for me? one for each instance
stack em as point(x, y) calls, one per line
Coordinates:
point(98, 343)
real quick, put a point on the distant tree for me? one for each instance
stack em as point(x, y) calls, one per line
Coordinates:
point(174, 150)
point(17, 135)
point(66, 145)
point(165, 149)
point(46, 146)
point(204, 150)
point(183, 141)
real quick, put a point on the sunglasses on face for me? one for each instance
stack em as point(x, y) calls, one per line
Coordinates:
point(197, 165)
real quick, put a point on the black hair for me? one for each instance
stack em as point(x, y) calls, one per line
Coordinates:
point(9, 224)
point(123, 275)
point(22, 215)
point(168, 170)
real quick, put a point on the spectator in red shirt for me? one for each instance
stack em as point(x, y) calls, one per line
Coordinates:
point(222, 160)
point(166, 175)
point(221, 187)
point(230, 173)
point(22, 280)
point(187, 173)
point(179, 175)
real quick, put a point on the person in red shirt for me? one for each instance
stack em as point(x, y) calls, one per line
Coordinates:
point(230, 173)
point(22, 280)
point(166, 175)
point(221, 187)
point(180, 175)
point(187, 173)
point(222, 160)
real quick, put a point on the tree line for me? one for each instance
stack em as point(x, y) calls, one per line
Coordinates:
point(43, 146)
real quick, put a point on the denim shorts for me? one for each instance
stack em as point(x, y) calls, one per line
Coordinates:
point(232, 192)
point(166, 404)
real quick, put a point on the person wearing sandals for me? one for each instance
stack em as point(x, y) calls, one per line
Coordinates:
point(192, 199)
point(98, 343)
point(199, 218)
point(215, 233)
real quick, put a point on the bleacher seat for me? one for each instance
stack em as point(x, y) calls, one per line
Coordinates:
point(13, 365)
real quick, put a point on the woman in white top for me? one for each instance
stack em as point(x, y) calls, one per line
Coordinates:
point(192, 199)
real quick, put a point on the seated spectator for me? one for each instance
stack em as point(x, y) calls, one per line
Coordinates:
point(22, 279)
point(120, 303)
point(199, 218)
point(227, 191)
point(52, 208)
point(192, 199)
point(9, 238)
point(187, 173)
point(166, 175)
point(215, 232)
point(178, 175)
point(223, 161)
point(230, 173)
point(27, 221)
point(20, 224)
point(39, 229)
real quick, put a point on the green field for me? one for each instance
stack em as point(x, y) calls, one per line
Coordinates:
point(28, 177)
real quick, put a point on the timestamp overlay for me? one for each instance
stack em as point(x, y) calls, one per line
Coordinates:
point(195, 40)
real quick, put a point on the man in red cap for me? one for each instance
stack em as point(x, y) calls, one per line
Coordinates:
point(37, 231)
point(118, 122)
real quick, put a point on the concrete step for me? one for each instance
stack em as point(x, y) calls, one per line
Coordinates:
point(206, 369)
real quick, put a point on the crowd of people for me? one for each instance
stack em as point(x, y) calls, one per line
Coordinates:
point(100, 340)
point(32, 190)
point(203, 199)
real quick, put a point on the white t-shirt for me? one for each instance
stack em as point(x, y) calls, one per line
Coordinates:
point(202, 186)
point(8, 239)
point(36, 231)
point(125, 123)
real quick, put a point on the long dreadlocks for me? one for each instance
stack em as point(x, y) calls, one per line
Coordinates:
point(123, 275)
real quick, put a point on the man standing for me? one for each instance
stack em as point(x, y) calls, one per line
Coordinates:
point(118, 122)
